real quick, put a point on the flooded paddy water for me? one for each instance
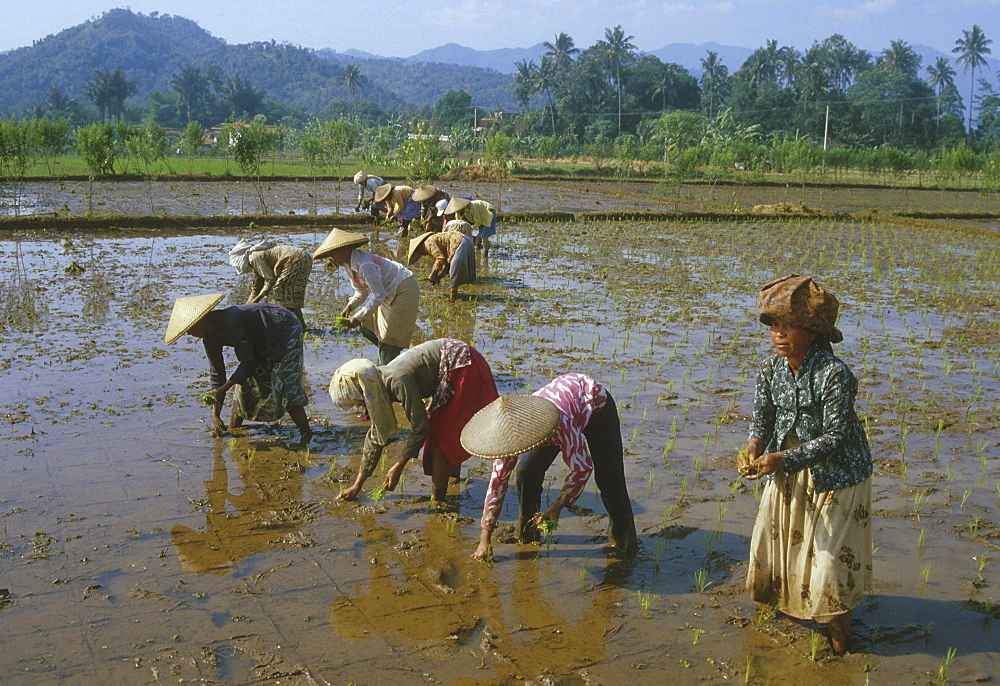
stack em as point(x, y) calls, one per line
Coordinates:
point(137, 548)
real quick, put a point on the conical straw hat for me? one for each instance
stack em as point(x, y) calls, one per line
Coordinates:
point(424, 192)
point(338, 238)
point(510, 425)
point(456, 204)
point(382, 192)
point(415, 243)
point(187, 311)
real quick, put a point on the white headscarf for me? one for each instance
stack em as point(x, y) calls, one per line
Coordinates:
point(239, 256)
point(360, 382)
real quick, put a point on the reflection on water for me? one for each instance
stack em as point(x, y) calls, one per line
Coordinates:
point(264, 513)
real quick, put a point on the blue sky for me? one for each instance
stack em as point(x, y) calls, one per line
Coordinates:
point(411, 26)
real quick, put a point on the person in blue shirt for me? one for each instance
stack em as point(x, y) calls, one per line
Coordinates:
point(811, 549)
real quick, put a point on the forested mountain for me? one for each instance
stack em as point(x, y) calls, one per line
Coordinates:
point(152, 49)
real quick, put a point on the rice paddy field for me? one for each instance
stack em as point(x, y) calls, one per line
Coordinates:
point(137, 548)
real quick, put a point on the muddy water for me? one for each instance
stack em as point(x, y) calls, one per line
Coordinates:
point(138, 549)
point(200, 198)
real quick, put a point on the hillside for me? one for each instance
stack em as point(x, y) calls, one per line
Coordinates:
point(150, 49)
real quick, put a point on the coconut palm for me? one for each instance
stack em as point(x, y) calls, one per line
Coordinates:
point(714, 75)
point(940, 75)
point(353, 81)
point(192, 86)
point(108, 91)
point(900, 58)
point(617, 49)
point(970, 49)
point(561, 52)
point(524, 82)
point(243, 98)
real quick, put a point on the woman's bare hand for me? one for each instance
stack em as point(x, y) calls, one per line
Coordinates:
point(350, 493)
point(765, 464)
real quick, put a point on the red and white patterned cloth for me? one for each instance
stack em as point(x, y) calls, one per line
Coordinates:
point(578, 397)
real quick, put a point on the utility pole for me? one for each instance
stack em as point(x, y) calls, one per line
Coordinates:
point(826, 127)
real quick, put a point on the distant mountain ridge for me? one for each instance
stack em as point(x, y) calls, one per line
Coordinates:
point(151, 48)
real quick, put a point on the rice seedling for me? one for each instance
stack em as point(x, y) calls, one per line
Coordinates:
point(701, 581)
point(449, 528)
point(814, 638)
point(651, 476)
point(645, 600)
point(209, 400)
point(764, 615)
point(658, 549)
point(251, 453)
point(876, 630)
point(378, 493)
point(920, 540)
point(965, 496)
point(585, 568)
point(918, 502)
point(746, 671)
point(684, 487)
point(949, 657)
point(925, 573)
point(981, 561)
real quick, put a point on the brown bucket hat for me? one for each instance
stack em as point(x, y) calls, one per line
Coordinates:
point(510, 425)
point(800, 301)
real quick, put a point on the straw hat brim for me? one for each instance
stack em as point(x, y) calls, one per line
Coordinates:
point(337, 239)
point(187, 312)
point(415, 244)
point(424, 193)
point(382, 192)
point(456, 205)
point(510, 425)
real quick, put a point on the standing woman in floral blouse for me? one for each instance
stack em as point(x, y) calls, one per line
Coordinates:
point(811, 550)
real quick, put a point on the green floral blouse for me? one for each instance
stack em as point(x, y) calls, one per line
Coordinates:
point(818, 405)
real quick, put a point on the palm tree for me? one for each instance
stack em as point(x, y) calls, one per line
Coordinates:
point(713, 79)
point(191, 85)
point(243, 98)
point(546, 81)
point(787, 61)
point(970, 49)
point(668, 73)
point(617, 49)
point(899, 58)
point(561, 52)
point(940, 75)
point(812, 80)
point(354, 81)
point(524, 82)
point(108, 91)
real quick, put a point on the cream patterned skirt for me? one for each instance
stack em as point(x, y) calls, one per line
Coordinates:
point(393, 322)
point(811, 553)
